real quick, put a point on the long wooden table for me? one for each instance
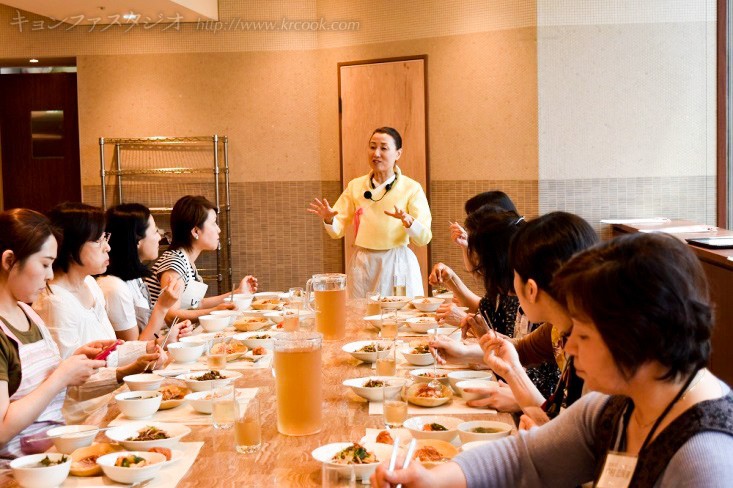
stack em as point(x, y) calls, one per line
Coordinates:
point(283, 460)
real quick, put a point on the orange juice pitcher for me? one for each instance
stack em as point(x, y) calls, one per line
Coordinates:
point(330, 304)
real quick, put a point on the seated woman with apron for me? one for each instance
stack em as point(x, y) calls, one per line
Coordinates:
point(73, 307)
point(33, 377)
point(133, 239)
point(194, 230)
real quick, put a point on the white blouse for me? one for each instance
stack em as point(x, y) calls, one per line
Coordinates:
point(126, 302)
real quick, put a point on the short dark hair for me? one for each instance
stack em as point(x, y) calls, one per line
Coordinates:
point(648, 297)
point(24, 232)
point(495, 197)
point(490, 229)
point(396, 137)
point(127, 224)
point(542, 246)
point(78, 223)
point(188, 212)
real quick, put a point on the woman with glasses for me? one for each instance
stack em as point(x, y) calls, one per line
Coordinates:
point(73, 307)
point(134, 239)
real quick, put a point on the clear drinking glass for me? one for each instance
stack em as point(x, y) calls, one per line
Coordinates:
point(338, 476)
point(216, 354)
point(400, 285)
point(247, 425)
point(373, 306)
point(387, 364)
point(394, 406)
point(222, 406)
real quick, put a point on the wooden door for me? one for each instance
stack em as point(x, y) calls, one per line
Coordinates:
point(385, 93)
point(39, 139)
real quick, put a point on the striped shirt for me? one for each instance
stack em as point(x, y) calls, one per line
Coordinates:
point(170, 261)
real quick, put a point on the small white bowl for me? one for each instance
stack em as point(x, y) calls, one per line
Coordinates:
point(417, 359)
point(472, 445)
point(394, 302)
point(27, 475)
point(213, 323)
point(124, 433)
point(186, 352)
point(248, 339)
point(139, 404)
point(427, 304)
point(418, 375)
point(75, 436)
point(447, 297)
point(455, 376)
point(131, 475)
point(394, 383)
point(466, 434)
point(421, 324)
point(324, 454)
point(354, 348)
point(201, 401)
point(230, 314)
point(415, 426)
point(468, 396)
point(196, 385)
point(242, 301)
point(268, 295)
point(143, 381)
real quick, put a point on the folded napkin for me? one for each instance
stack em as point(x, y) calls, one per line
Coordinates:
point(183, 414)
point(683, 229)
point(168, 477)
point(457, 406)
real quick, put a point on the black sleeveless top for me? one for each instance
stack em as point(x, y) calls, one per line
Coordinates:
point(711, 415)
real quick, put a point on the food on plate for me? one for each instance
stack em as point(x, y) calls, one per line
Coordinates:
point(420, 349)
point(47, 461)
point(162, 450)
point(486, 430)
point(424, 390)
point(434, 427)
point(429, 454)
point(354, 454)
point(84, 459)
point(430, 374)
point(131, 461)
point(259, 351)
point(372, 348)
point(425, 318)
point(173, 392)
point(150, 433)
point(425, 300)
point(392, 299)
point(384, 437)
point(374, 384)
point(266, 304)
point(208, 376)
point(229, 347)
point(260, 336)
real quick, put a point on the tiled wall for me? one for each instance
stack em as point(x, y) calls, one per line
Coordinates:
point(275, 239)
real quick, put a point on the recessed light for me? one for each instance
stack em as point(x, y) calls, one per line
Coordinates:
point(130, 16)
point(33, 60)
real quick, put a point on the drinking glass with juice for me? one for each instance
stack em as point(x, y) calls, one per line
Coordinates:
point(394, 404)
point(216, 355)
point(247, 425)
point(222, 406)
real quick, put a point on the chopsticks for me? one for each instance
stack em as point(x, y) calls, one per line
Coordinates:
point(408, 458)
point(162, 346)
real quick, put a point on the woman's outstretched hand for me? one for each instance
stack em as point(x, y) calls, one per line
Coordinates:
point(323, 210)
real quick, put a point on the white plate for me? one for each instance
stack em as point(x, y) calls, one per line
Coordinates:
point(171, 373)
point(373, 394)
point(394, 303)
point(324, 454)
point(124, 432)
point(196, 385)
point(368, 357)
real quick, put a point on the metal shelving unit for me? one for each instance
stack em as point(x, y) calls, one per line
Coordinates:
point(177, 147)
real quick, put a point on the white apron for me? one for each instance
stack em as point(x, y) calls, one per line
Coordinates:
point(38, 361)
point(193, 294)
point(371, 270)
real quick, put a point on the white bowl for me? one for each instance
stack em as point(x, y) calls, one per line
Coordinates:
point(40, 477)
point(143, 381)
point(123, 433)
point(393, 302)
point(277, 316)
point(248, 339)
point(415, 426)
point(376, 320)
point(230, 314)
point(447, 297)
point(186, 352)
point(213, 323)
point(427, 304)
point(324, 454)
point(456, 376)
point(353, 348)
point(131, 475)
point(78, 436)
point(196, 385)
point(421, 324)
point(464, 430)
point(202, 338)
point(201, 401)
point(472, 445)
point(249, 323)
point(417, 359)
point(268, 295)
point(468, 396)
point(394, 384)
point(134, 407)
point(417, 375)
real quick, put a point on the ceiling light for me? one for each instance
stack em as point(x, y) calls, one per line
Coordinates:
point(33, 60)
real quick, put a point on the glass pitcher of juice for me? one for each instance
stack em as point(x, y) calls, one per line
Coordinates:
point(298, 385)
point(330, 304)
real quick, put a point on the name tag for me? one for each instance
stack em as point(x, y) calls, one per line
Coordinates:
point(617, 470)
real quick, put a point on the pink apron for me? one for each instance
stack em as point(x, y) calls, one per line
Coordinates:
point(38, 361)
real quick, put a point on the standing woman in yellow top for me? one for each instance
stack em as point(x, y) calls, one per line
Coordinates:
point(387, 210)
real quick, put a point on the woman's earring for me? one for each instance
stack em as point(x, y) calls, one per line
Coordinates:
point(196, 236)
